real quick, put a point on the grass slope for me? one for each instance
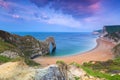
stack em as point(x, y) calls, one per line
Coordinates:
point(108, 70)
point(5, 46)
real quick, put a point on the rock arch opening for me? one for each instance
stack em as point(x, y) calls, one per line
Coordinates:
point(51, 43)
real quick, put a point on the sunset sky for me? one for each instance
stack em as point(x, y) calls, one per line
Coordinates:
point(58, 15)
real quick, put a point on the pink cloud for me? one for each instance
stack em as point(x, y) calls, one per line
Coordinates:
point(76, 8)
point(4, 4)
point(95, 7)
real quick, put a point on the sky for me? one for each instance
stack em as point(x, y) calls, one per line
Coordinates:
point(58, 15)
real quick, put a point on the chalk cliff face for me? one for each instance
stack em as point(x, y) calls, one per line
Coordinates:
point(26, 46)
point(112, 32)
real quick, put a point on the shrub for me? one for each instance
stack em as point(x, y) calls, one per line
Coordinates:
point(115, 77)
point(4, 59)
point(31, 62)
point(77, 78)
point(60, 62)
point(76, 64)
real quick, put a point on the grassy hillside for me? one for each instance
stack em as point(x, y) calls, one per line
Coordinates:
point(5, 46)
point(112, 29)
point(108, 70)
point(4, 59)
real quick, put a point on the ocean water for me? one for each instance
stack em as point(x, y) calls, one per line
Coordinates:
point(67, 43)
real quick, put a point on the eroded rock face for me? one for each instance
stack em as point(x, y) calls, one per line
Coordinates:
point(28, 45)
point(116, 50)
point(52, 72)
point(112, 32)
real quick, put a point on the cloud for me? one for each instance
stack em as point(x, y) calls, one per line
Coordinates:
point(69, 13)
point(3, 4)
point(76, 8)
point(16, 10)
point(60, 19)
point(16, 16)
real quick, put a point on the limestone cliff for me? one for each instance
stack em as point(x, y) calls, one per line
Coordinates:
point(26, 46)
point(112, 32)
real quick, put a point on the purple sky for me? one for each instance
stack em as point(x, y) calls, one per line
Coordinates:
point(58, 15)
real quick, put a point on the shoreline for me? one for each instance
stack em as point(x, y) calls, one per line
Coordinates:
point(78, 53)
point(102, 50)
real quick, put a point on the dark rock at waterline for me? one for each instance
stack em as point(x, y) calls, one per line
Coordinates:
point(27, 46)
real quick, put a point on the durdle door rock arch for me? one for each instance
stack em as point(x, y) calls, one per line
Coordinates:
point(51, 40)
point(25, 46)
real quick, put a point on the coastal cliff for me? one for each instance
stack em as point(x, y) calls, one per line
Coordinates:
point(13, 45)
point(111, 32)
point(116, 50)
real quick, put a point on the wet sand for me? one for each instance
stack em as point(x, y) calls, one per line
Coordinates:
point(101, 52)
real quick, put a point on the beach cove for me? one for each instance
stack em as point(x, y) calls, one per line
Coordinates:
point(101, 52)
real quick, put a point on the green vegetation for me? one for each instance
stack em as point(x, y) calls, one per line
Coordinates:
point(31, 62)
point(112, 29)
point(113, 32)
point(76, 64)
point(96, 73)
point(4, 59)
point(5, 46)
point(115, 77)
point(60, 62)
point(110, 66)
point(104, 69)
point(77, 78)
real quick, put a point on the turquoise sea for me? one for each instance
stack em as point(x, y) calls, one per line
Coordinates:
point(67, 43)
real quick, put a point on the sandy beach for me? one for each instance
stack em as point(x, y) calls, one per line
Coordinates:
point(101, 52)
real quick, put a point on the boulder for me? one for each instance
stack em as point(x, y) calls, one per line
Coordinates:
point(53, 72)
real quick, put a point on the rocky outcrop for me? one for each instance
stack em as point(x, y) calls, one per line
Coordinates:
point(116, 50)
point(27, 46)
point(20, 71)
point(52, 72)
point(10, 54)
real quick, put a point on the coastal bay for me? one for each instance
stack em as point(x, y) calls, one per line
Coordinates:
point(101, 52)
